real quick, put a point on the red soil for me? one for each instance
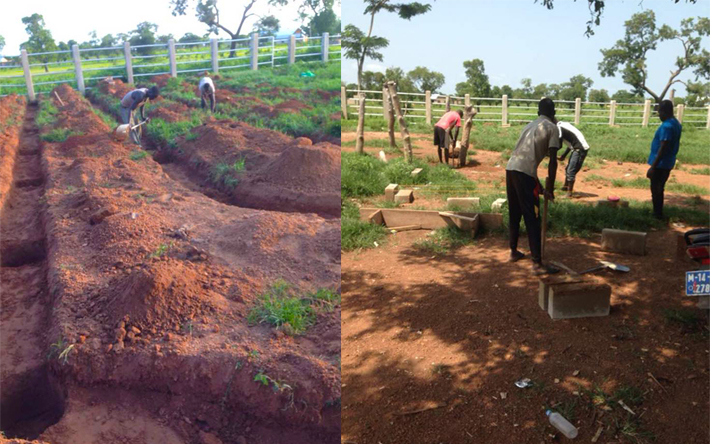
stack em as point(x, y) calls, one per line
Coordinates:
point(12, 109)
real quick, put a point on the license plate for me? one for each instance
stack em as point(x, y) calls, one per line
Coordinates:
point(697, 283)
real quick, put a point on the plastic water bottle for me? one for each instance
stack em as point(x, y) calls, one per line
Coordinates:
point(560, 423)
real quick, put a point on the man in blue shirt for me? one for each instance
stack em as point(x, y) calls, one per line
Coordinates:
point(664, 150)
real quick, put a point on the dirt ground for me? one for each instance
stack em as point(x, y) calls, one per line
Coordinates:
point(433, 344)
point(125, 296)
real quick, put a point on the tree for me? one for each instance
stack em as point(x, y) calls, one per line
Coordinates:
point(697, 94)
point(321, 15)
point(2, 43)
point(629, 55)
point(404, 83)
point(268, 25)
point(425, 80)
point(541, 90)
point(598, 95)
point(144, 34)
point(576, 87)
point(624, 96)
point(477, 83)
point(596, 8)
point(359, 47)
point(190, 37)
point(208, 13)
point(40, 40)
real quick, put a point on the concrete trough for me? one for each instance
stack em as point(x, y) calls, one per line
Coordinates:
point(579, 300)
point(432, 220)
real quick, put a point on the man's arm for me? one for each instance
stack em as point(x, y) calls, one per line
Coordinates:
point(562, 157)
point(659, 156)
point(141, 111)
point(553, 145)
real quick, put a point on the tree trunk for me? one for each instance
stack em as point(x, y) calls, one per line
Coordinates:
point(392, 88)
point(448, 103)
point(360, 143)
point(390, 119)
point(468, 114)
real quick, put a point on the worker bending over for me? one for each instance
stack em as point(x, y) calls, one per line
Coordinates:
point(443, 132)
point(130, 102)
point(207, 91)
point(575, 142)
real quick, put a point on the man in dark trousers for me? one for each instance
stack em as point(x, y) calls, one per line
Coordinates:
point(539, 139)
point(443, 132)
point(575, 142)
point(664, 149)
point(129, 104)
point(207, 91)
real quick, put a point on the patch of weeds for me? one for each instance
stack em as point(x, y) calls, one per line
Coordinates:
point(192, 136)
point(629, 395)
point(705, 171)
point(568, 409)
point(47, 114)
point(108, 120)
point(138, 155)
point(689, 320)
point(282, 308)
point(356, 233)
point(161, 251)
point(443, 240)
point(632, 430)
point(253, 354)
point(267, 380)
point(325, 299)
point(61, 350)
point(223, 174)
point(58, 135)
point(70, 189)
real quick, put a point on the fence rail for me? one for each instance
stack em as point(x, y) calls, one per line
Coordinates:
point(507, 111)
point(162, 58)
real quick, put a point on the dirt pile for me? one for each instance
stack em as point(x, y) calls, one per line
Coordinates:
point(12, 111)
point(173, 112)
point(305, 168)
point(76, 113)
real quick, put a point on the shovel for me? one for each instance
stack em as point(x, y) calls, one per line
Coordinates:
point(122, 131)
point(609, 265)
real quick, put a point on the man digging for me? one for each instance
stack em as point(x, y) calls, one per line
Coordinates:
point(540, 138)
point(575, 141)
point(207, 91)
point(443, 132)
point(131, 101)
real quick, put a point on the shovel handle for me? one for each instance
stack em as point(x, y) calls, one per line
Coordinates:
point(600, 267)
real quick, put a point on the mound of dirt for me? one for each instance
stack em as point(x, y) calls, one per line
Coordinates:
point(291, 106)
point(162, 295)
point(305, 168)
point(77, 114)
point(173, 112)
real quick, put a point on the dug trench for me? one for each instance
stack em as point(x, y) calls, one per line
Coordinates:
point(148, 286)
point(276, 172)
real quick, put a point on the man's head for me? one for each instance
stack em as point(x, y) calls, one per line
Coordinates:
point(460, 113)
point(153, 92)
point(665, 110)
point(546, 107)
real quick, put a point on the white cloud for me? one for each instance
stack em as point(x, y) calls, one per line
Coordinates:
point(376, 67)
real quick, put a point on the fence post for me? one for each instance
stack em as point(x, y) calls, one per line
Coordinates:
point(646, 113)
point(612, 113)
point(171, 54)
point(129, 61)
point(448, 103)
point(504, 111)
point(28, 76)
point(254, 51)
point(344, 102)
point(214, 48)
point(325, 42)
point(427, 106)
point(707, 124)
point(671, 96)
point(577, 110)
point(385, 105)
point(467, 100)
point(292, 49)
point(679, 113)
point(77, 68)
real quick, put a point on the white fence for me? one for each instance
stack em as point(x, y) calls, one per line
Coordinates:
point(83, 67)
point(508, 111)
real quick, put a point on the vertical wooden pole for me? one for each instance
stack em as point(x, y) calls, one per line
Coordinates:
point(129, 61)
point(504, 111)
point(679, 113)
point(448, 103)
point(28, 76)
point(360, 142)
point(344, 102)
point(77, 69)
point(385, 104)
point(707, 124)
point(427, 105)
point(467, 100)
point(392, 88)
point(577, 110)
point(646, 113)
point(390, 117)
point(468, 115)
point(612, 112)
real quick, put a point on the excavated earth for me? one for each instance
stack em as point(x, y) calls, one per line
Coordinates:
point(125, 297)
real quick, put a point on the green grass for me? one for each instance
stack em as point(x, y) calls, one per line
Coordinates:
point(690, 321)
point(167, 133)
point(644, 183)
point(59, 135)
point(138, 155)
point(223, 174)
point(443, 240)
point(355, 233)
point(705, 171)
point(47, 114)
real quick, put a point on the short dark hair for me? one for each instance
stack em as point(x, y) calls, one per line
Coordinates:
point(153, 92)
point(460, 113)
point(546, 107)
point(666, 107)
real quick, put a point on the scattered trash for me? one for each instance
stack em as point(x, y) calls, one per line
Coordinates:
point(307, 74)
point(678, 224)
point(503, 395)
point(376, 244)
point(598, 434)
point(383, 157)
point(557, 381)
point(524, 383)
point(625, 407)
point(575, 373)
point(560, 423)
point(134, 216)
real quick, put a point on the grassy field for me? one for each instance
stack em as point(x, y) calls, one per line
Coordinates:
point(625, 144)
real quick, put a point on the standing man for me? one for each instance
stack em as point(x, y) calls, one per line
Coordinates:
point(207, 91)
point(664, 149)
point(444, 128)
point(575, 141)
point(131, 101)
point(539, 139)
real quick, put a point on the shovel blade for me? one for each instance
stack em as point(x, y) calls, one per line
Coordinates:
point(616, 267)
point(121, 132)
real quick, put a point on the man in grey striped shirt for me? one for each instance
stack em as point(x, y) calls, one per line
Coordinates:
point(575, 141)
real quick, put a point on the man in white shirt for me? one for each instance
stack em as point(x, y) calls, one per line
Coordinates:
point(207, 90)
point(575, 141)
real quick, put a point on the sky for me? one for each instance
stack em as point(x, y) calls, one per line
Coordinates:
point(518, 39)
point(75, 19)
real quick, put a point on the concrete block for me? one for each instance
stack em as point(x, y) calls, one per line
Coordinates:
point(491, 221)
point(581, 300)
point(376, 218)
point(547, 282)
point(416, 172)
point(391, 191)
point(627, 242)
point(404, 196)
point(497, 205)
point(464, 203)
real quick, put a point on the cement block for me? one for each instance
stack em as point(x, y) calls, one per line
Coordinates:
point(416, 172)
point(463, 223)
point(579, 300)
point(497, 205)
point(376, 218)
point(465, 203)
point(404, 196)
point(491, 221)
point(627, 242)
point(549, 281)
point(391, 191)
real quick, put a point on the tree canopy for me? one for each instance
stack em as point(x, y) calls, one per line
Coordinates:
point(40, 40)
point(477, 83)
point(426, 80)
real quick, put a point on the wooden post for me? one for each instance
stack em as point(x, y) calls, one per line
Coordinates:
point(427, 105)
point(612, 112)
point(504, 111)
point(671, 96)
point(577, 110)
point(360, 142)
point(292, 49)
point(28, 76)
point(173, 60)
point(392, 88)
point(325, 48)
point(680, 109)
point(254, 44)
point(385, 104)
point(707, 124)
point(214, 48)
point(646, 113)
point(468, 114)
point(129, 61)
point(344, 102)
point(390, 117)
point(448, 103)
point(77, 68)
point(467, 100)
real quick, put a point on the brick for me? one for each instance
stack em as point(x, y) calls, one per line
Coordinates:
point(497, 205)
point(391, 191)
point(579, 300)
point(627, 242)
point(465, 203)
point(416, 172)
point(549, 281)
point(404, 196)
